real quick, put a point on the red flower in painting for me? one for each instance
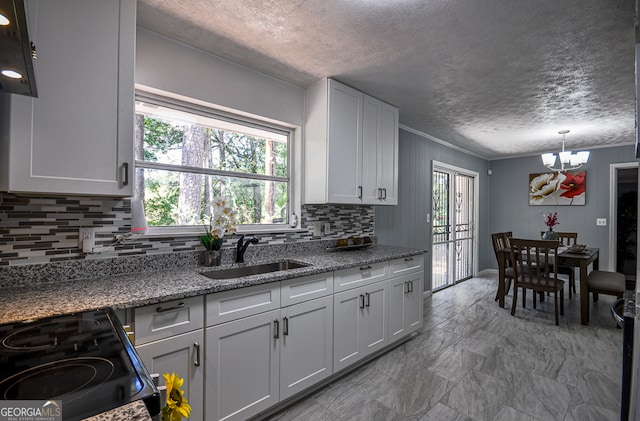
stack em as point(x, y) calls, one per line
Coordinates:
point(574, 185)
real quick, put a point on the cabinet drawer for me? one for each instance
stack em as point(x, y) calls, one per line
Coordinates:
point(361, 275)
point(243, 302)
point(297, 290)
point(405, 265)
point(172, 318)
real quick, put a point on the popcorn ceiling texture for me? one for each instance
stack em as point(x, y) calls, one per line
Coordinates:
point(44, 229)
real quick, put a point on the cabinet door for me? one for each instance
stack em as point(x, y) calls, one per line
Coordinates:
point(371, 191)
point(182, 355)
point(405, 305)
point(77, 136)
point(360, 323)
point(387, 156)
point(242, 363)
point(374, 327)
point(306, 352)
point(344, 144)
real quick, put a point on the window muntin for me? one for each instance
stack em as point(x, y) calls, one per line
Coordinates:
point(186, 155)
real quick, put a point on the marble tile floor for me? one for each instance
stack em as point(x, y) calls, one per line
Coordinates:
point(472, 360)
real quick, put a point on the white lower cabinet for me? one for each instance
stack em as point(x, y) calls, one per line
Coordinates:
point(360, 325)
point(242, 361)
point(180, 354)
point(256, 361)
point(306, 352)
point(405, 305)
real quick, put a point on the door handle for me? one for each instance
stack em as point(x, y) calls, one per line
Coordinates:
point(385, 194)
point(276, 329)
point(176, 307)
point(361, 301)
point(379, 194)
point(359, 192)
point(285, 327)
point(196, 346)
point(406, 287)
point(368, 299)
point(125, 179)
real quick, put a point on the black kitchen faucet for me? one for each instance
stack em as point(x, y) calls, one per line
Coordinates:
point(242, 247)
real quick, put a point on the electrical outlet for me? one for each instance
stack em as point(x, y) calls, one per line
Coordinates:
point(327, 228)
point(317, 229)
point(87, 239)
point(601, 222)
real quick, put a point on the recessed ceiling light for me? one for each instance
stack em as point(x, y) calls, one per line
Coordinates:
point(4, 21)
point(11, 73)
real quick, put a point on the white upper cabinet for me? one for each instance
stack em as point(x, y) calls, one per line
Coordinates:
point(77, 136)
point(351, 146)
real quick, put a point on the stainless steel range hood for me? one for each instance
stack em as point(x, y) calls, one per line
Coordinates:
point(16, 51)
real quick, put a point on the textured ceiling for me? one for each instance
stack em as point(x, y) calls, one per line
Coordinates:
point(498, 78)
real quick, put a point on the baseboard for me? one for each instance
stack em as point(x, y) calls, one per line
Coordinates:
point(488, 272)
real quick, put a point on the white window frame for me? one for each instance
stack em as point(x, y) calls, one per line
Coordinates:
point(294, 160)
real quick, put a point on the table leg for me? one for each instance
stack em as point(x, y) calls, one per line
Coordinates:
point(584, 293)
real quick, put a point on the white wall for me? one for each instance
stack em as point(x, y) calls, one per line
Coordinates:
point(170, 66)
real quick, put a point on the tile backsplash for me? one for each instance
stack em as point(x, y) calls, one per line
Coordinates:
point(44, 229)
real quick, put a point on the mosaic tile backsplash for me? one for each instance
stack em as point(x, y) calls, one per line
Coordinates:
point(45, 229)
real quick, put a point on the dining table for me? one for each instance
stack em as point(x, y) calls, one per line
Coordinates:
point(581, 260)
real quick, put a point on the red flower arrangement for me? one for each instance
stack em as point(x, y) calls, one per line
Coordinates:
point(551, 219)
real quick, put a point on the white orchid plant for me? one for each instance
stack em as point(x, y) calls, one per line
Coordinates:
point(222, 220)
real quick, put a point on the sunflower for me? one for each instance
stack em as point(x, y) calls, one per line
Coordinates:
point(177, 405)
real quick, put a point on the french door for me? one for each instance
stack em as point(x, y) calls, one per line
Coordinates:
point(454, 234)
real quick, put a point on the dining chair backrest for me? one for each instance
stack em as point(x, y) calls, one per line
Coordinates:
point(568, 238)
point(501, 241)
point(535, 262)
point(565, 238)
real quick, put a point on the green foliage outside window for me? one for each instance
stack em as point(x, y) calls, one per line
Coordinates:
point(183, 165)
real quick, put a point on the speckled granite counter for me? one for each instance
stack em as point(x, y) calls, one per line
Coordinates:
point(134, 411)
point(28, 301)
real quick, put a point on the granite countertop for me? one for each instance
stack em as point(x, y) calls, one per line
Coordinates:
point(26, 302)
point(134, 411)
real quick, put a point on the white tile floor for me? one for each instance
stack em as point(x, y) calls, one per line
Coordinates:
point(474, 361)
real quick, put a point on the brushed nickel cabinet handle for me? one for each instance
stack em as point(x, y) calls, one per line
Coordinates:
point(361, 301)
point(176, 307)
point(196, 346)
point(276, 329)
point(368, 299)
point(379, 194)
point(285, 326)
point(385, 194)
point(359, 192)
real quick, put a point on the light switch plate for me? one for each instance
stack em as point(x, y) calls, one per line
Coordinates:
point(601, 222)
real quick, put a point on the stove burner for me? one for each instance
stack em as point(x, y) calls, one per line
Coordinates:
point(81, 376)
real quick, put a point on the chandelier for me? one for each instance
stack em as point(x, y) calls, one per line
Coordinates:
point(568, 161)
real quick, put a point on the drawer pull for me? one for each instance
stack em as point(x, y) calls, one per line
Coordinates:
point(285, 326)
point(408, 259)
point(365, 267)
point(276, 329)
point(359, 192)
point(176, 307)
point(385, 194)
point(361, 301)
point(196, 346)
point(368, 299)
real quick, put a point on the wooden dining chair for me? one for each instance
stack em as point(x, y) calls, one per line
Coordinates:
point(502, 250)
point(567, 239)
point(529, 256)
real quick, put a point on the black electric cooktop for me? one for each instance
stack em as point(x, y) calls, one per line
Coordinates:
point(83, 359)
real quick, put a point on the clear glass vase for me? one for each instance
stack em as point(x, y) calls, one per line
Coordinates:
point(550, 234)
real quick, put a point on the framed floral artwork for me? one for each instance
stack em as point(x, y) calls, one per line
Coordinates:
point(558, 189)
